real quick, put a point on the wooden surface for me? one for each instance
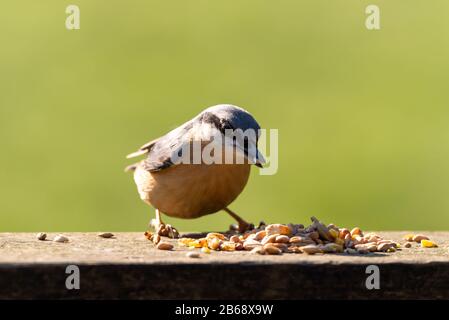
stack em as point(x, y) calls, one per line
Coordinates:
point(129, 267)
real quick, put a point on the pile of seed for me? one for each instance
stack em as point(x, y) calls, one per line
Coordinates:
point(275, 239)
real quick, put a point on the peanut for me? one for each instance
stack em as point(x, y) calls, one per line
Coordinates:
point(251, 244)
point(271, 249)
point(258, 250)
point(282, 239)
point(310, 249)
point(278, 229)
point(269, 239)
point(356, 232)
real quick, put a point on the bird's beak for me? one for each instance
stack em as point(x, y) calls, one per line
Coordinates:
point(260, 161)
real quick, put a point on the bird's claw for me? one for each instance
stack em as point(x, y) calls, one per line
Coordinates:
point(242, 227)
point(164, 230)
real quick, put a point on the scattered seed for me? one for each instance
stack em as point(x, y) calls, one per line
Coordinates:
point(407, 245)
point(164, 246)
point(61, 238)
point(106, 235)
point(41, 236)
point(428, 244)
point(205, 250)
point(419, 237)
point(192, 254)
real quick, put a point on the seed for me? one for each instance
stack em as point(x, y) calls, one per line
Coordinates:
point(282, 246)
point(227, 246)
point(407, 245)
point(362, 250)
point(297, 239)
point(310, 249)
point(164, 245)
point(251, 244)
point(192, 254)
point(106, 235)
point(419, 237)
point(271, 249)
point(61, 238)
point(343, 232)
point(216, 235)
point(313, 235)
point(278, 229)
point(370, 247)
point(41, 236)
point(213, 243)
point(294, 249)
point(428, 244)
point(282, 239)
point(334, 233)
point(269, 238)
point(356, 232)
point(385, 246)
point(350, 251)
point(205, 250)
point(258, 250)
point(332, 248)
point(409, 237)
point(235, 239)
point(322, 229)
point(148, 235)
point(260, 235)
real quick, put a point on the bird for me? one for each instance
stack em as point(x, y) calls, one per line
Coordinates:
point(176, 183)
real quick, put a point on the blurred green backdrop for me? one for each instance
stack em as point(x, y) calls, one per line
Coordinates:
point(362, 115)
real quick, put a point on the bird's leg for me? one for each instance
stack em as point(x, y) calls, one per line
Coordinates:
point(162, 229)
point(243, 225)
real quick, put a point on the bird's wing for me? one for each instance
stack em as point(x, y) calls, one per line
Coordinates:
point(165, 151)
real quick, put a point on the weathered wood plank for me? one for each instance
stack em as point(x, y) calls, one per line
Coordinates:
point(129, 267)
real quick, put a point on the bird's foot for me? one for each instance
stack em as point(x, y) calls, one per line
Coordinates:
point(242, 227)
point(164, 230)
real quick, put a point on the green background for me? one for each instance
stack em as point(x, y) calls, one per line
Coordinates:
point(363, 116)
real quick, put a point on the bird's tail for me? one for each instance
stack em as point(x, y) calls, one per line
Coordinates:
point(131, 167)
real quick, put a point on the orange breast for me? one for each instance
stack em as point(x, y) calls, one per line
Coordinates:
point(192, 190)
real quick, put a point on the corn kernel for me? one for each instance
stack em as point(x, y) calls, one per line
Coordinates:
point(205, 250)
point(428, 244)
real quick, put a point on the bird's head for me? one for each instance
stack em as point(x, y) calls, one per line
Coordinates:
point(238, 127)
